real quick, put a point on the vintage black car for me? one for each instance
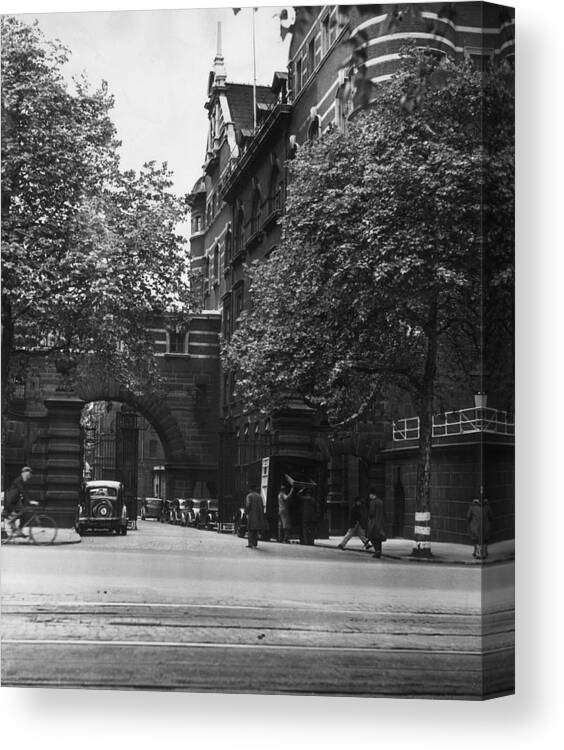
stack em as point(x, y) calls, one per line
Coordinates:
point(102, 506)
point(186, 516)
point(151, 508)
point(206, 513)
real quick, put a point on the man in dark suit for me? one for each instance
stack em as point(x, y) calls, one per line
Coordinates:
point(255, 516)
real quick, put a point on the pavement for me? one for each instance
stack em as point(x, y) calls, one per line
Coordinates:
point(393, 549)
point(441, 552)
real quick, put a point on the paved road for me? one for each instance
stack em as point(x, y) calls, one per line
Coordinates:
point(172, 608)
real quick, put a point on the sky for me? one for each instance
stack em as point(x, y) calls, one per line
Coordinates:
point(156, 63)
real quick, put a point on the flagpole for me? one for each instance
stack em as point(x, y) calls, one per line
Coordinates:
point(254, 76)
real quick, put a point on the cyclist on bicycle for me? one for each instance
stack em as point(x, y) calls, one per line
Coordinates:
point(17, 496)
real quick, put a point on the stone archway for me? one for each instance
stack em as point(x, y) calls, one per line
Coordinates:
point(62, 454)
point(154, 409)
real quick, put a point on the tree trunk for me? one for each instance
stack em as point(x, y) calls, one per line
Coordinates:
point(7, 344)
point(422, 529)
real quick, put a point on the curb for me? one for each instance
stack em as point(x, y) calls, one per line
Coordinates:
point(435, 560)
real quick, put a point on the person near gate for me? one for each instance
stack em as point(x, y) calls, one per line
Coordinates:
point(376, 529)
point(17, 496)
point(357, 524)
point(309, 516)
point(479, 519)
point(255, 516)
point(284, 511)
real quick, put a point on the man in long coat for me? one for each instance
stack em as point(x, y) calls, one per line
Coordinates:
point(376, 530)
point(255, 517)
point(309, 517)
point(479, 519)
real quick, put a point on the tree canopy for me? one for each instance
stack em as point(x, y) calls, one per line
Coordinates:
point(379, 283)
point(89, 253)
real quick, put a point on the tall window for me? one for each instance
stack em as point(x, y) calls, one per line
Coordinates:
point(176, 342)
point(227, 318)
point(310, 57)
point(228, 246)
point(216, 264)
point(274, 190)
point(239, 301)
point(256, 212)
point(239, 231)
point(298, 81)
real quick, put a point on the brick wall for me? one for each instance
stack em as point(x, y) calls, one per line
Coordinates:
point(458, 472)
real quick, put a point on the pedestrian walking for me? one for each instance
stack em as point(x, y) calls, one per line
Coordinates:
point(376, 529)
point(357, 524)
point(309, 517)
point(479, 519)
point(284, 512)
point(17, 496)
point(255, 516)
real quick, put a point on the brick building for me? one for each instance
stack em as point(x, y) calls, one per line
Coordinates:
point(235, 208)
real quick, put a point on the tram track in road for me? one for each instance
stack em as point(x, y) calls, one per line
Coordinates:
point(246, 648)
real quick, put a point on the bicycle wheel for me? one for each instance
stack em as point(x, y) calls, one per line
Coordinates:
point(43, 529)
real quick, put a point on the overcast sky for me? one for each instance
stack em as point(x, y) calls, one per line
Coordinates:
point(156, 63)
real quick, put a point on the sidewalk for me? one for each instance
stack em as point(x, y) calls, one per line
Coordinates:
point(393, 549)
point(442, 552)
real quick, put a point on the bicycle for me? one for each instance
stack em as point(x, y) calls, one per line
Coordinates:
point(33, 526)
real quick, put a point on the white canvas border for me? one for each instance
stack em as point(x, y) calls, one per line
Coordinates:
point(62, 719)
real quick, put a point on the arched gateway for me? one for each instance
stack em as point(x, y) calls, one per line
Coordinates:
point(184, 414)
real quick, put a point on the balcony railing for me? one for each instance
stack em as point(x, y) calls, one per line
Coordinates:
point(462, 422)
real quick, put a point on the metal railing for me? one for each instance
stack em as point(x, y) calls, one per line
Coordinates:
point(461, 422)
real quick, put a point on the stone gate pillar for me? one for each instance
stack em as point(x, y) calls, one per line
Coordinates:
point(63, 459)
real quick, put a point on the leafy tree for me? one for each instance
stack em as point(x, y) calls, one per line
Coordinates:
point(378, 284)
point(90, 254)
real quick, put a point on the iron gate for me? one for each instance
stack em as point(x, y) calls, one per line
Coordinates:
point(114, 455)
point(240, 463)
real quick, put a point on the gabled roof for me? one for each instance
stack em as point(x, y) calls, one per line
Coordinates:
point(240, 99)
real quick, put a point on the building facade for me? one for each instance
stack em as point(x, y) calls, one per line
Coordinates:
point(338, 54)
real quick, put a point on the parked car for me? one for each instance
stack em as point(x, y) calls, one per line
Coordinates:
point(102, 506)
point(185, 512)
point(206, 513)
point(151, 508)
point(167, 512)
point(240, 523)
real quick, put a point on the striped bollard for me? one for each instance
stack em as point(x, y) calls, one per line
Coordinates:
point(422, 534)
